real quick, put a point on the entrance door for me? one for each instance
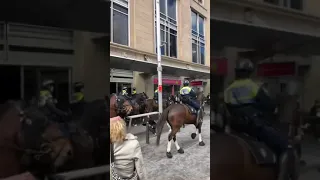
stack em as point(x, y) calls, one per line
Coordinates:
point(10, 83)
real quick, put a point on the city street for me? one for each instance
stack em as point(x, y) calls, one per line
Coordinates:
point(194, 164)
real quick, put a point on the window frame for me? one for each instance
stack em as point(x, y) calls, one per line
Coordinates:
point(165, 22)
point(281, 3)
point(124, 4)
point(199, 41)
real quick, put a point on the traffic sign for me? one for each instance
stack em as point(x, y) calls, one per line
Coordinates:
point(160, 88)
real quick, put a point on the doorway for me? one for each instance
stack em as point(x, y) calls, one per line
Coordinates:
point(10, 83)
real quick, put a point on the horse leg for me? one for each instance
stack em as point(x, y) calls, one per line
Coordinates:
point(201, 143)
point(180, 150)
point(169, 155)
point(172, 134)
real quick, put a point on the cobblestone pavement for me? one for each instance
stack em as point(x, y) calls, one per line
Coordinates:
point(194, 164)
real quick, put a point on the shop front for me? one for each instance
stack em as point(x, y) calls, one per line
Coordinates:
point(170, 86)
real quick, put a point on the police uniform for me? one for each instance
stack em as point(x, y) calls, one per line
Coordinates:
point(78, 95)
point(155, 94)
point(246, 99)
point(134, 91)
point(46, 100)
point(188, 96)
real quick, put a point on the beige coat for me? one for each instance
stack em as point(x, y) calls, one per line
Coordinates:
point(128, 156)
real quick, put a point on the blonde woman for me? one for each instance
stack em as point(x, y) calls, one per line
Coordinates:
point(128, 161)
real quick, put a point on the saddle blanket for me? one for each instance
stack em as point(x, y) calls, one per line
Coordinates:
point(262, 154)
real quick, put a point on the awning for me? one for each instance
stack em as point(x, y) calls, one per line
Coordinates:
point(84, 15)
point(266, 42)
point(123, 57)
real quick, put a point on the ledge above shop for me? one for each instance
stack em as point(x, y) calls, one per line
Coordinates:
point(124, 57)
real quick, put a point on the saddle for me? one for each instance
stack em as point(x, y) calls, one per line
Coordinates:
point(192, 109)
point(261, 153)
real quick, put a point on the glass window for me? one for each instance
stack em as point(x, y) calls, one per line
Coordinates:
point(119, 24)
point(194, 53)
point(198, 42)
point(172, 9)
point(201, 25)
point(202, 57)
point(168, 28)
point(194, 21)
point(296, 4)
point(163, 6)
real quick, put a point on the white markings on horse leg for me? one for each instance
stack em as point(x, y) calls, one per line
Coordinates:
point(200, 137)
point(169, 146)
point(176, 143)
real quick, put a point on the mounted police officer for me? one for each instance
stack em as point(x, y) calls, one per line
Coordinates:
point(47, 102)
point(155, 96)
point(78, 95)
point(251, 107)
point(188, 96)
point(134, 91)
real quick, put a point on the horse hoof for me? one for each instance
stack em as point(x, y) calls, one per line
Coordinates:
point(181, 151)
point(169, 155)
point(193, 135)
point(201, 143)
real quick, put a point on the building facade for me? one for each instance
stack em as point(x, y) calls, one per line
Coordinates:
point(280, 36)
point(185, 44)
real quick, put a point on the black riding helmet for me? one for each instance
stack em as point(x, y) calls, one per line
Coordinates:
point(244, 68)
point(186, 82)
point(134, 88)
point(78, 86)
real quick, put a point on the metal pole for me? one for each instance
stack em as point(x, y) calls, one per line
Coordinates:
point(159, 57)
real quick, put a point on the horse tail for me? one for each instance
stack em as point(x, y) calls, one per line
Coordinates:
point(160, 124)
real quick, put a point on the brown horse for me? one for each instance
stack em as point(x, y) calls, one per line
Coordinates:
point(177, 115)
point(116, 109)
point(19, 147)
point(234, 157)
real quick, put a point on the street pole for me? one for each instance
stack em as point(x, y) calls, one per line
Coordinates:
point(159, 57)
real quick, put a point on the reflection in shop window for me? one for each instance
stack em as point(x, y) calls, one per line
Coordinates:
point(168, 27)
point(198, 42)
point(119, 22)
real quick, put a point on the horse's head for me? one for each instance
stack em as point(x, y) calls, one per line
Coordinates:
point(116, 108)
point(49, 141)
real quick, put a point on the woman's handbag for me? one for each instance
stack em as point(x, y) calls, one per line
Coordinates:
point(114, 174)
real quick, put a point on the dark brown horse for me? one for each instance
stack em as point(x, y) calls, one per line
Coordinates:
point(116, 109)
point(177, 115)
point(47, 144)
point(233, 157)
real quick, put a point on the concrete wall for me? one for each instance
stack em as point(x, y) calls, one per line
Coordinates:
point(91, 66)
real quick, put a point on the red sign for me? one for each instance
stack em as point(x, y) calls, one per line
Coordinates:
point(219, 66)
point(160, 88)
point(196, 83)
point(276, 69)
point(167, 81)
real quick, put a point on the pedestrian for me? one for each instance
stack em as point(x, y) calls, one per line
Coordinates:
point(126, 156)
